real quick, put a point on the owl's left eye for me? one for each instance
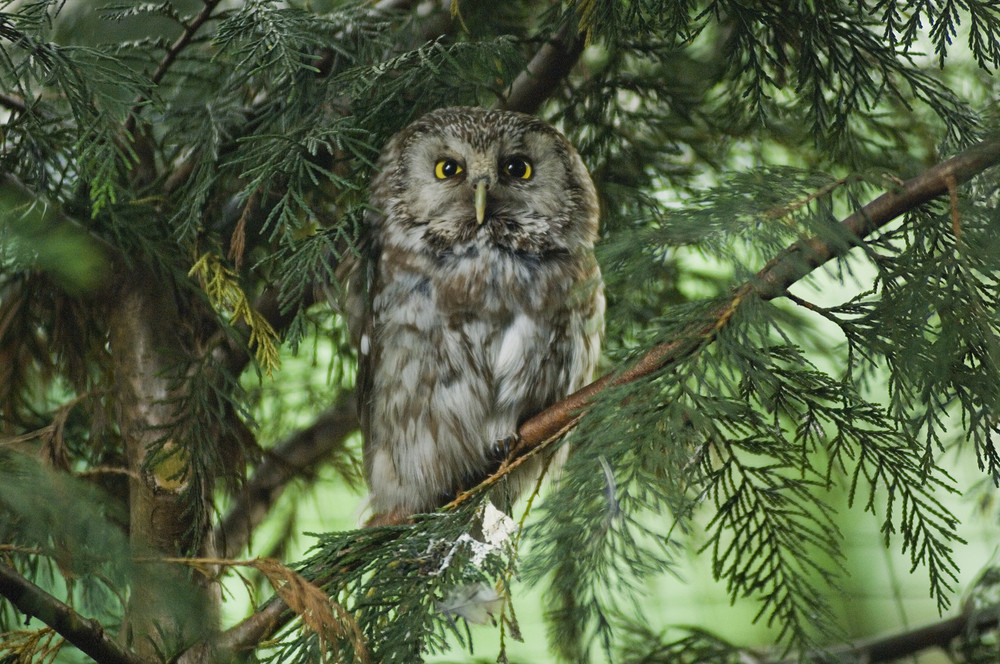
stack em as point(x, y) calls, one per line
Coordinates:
point(446, 168)
point(518, 167)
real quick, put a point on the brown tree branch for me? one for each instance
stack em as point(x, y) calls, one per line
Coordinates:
point(895, 647)
point(302, 451)
point(242, 637)
point(773, 279)
point(771, 282)
point(13, 103)
point(86, 634)
point(546, 71)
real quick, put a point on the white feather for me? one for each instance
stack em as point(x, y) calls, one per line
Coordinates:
point(517, 339)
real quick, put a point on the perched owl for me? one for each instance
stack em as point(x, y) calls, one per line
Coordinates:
point(477, 304)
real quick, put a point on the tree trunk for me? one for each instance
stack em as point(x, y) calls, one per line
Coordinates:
point(168, 606)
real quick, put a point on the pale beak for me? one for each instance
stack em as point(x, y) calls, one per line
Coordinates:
point(480, 201)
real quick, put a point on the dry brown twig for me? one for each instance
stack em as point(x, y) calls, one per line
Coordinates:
point(318, 612)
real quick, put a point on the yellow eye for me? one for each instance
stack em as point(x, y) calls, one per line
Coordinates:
point(518, 167)
point(446, 168)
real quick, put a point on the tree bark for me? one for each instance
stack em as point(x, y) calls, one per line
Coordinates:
point(166, 608)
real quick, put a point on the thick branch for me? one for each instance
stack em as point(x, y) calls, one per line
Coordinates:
point(545, 72)
point(302, 451)
point(897, 646)
point(244, 636)
point(770, 282)
point(86, 634)
point(13, 103)
point(804, 256)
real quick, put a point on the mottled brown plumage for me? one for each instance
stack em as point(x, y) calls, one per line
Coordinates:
point(478, 302)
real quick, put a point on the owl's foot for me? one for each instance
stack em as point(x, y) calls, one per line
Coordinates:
point(502, 448)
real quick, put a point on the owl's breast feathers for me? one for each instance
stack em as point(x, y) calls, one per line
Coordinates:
point(478, 279)
point(526, 327)
point(467, 345)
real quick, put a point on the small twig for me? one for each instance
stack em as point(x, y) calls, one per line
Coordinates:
point(31, 435)
point(105, 470)
point(86, 634)
point(784, 210)
point(171, 55)
point(804, 303)
point(16, 548)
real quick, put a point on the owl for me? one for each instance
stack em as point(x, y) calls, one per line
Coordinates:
point(477, 302)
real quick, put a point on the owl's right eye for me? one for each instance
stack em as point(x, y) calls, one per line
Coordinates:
point(446, 168)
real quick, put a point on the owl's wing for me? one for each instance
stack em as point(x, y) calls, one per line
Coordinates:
point(357, 308)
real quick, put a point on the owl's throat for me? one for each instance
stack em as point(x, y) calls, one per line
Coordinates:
point(497, 233)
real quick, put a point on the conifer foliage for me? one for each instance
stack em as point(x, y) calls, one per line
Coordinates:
point(180, 181)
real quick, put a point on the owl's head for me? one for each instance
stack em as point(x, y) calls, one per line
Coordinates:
point(465, 175)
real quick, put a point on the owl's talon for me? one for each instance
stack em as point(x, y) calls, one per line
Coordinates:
point(503, 447)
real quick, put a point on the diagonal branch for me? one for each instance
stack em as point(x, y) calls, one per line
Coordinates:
point(895, 647)
point(18, 197)
point(302, 451)
point(86, 634)
point(242, 637)
point(772, 281)
point(13, 103)
point(546, 71)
